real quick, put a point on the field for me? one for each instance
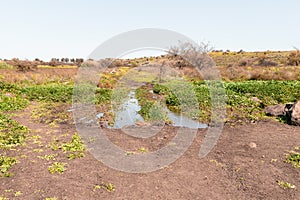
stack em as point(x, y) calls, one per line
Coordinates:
point(42, 156)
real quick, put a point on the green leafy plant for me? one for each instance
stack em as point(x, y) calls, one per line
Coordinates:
point(142, 150)
point(109, 187)
point(11, 132)
point(51, 198)
point(294, 159)
point(75, 148)
point(285, 185)
point(57, 167)
point(5, 164)
point(4, 65)
point(48, 157)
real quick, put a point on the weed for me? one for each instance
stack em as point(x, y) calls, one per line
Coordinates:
point(38, 150)
point(48, 157)
point(10, 103)
point(294, 159)
point(11, 132)
point(49, 92)
point(4, 65)
point(128, 153)
point(51, 113)
point(74, 148)
point(51, 198)
point(142, 150)
point(285, 185)
point(5, 164)
point(108, 187)
point(57, 167)
point(217, 163)
point(18, 193)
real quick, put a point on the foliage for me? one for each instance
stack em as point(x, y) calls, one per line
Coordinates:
point(151, 110)
point(57, 167)
point(5, 164)
point(74, 148)
point(285, 185)
point(240, 106)
point(294, 58)
point(294, 158)
point(4, 65)
point(11, 132)
point(51, 198)
point(11, 98)
point(109, 187)
point(52, 113)
point(48, 157)
point(49, 92)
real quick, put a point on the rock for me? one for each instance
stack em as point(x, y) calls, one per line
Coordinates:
point(290, 110)
point(142, 124)
point(252, 145)
point(255, 99)
point(277, 110)
point(295, 115)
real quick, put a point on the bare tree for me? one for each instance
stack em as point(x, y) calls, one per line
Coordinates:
point(188, 54)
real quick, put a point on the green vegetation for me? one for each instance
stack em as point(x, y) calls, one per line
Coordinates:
point(240, 105)
point(11, 132)
point(5, 164)
point(285, 185)
point(57, 167)
point(49, 92)
point(74, 148)
point(4, 65)
point(52, 113)
point(151, 110)
point(48, 157)
point(294, 158)
point(51, 198)
point(109, 187)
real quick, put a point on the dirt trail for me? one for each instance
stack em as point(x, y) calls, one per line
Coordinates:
point(233, 170)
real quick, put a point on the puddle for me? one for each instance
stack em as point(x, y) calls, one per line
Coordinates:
point(129, 112)
point(128, 116)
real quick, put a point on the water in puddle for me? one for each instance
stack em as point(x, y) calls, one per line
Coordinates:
point(128, 115)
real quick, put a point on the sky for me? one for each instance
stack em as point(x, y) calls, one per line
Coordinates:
point(74, 28)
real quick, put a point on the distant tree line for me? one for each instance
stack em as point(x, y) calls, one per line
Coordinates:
point(25, 65)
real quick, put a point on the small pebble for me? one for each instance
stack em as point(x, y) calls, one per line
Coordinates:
point(252, 145)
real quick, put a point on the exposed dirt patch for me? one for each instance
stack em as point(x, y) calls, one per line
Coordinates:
point(245, 164)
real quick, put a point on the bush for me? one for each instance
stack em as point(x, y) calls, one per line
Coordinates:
point(4, 65)
point(293, 58)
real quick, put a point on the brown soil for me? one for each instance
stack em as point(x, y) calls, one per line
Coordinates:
point(233, 170)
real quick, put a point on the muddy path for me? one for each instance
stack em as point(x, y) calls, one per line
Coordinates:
point(246, 163)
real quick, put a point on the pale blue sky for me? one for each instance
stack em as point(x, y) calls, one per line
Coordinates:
point(74, 28)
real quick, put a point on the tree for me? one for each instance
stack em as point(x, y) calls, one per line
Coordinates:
point(188, 54)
